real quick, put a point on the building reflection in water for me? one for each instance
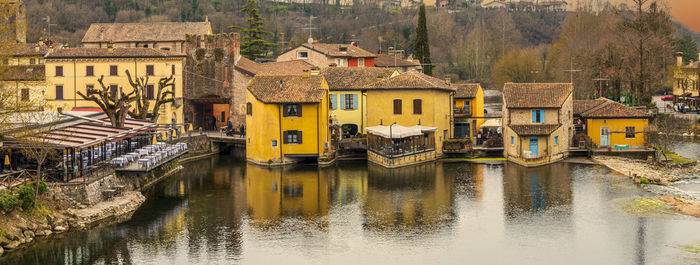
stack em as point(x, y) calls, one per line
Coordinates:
point(274, 194)
point(536, 189)
point(418, 198)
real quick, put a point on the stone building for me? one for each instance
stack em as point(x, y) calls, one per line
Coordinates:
point(537, 122)
point(324, 55)
point(168, 36)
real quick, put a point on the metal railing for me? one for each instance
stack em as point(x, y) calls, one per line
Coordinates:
point(463, 111)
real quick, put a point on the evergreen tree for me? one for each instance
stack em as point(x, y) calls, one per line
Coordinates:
point(421, 49)
point(253, 45)
point(687, 46)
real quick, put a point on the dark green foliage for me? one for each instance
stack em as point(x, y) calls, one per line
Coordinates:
point(8, 202)
point(43, 188)
point(253, 45)
point(421, 48)
point(25, 194)
point(687, 46)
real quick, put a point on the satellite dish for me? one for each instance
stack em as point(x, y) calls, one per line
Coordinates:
point(310, 41)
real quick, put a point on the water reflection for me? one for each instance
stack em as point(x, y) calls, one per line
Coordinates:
point(409, 198)
point(539, 189)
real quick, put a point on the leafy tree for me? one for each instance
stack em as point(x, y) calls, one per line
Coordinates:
point(253, 45)
point(421, 48)
point(687, 46)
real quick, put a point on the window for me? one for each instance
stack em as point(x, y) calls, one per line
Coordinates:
point(249, 109)
point(350, 101)
point(172, 70)
point(292, 137)
point(333, 104)
point(113, 70)
point(292, 110)
point(114, 91)
point(150, 94)
point(302, 55)
point(89, 70)
point(59, 92)
point(32, 61)
point(361, 62)
point(512, 140)
point(145, 45)
point(537, 116)
point(87, 88)
point(165, 48)
point(59, 70)
point(417, 106)
point(397, 106)
point(25, 94)
point(556, 140)
point(149, 69)
point(629, 132)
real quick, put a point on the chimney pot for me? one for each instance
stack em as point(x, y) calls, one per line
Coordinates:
point(448, 80)
point(305, 73)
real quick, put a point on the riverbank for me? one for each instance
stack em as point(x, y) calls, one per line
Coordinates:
point(658, 179)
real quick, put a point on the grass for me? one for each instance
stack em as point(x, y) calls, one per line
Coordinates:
point(473, 159)
point(677, 159)
point(41, 211)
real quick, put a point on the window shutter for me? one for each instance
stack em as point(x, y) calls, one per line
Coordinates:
point(534, 116)
point(298, 110)
point(397, 106)
point(541, 116)
point(334, 101)
point(342, 101)
point(284, 137)
point(354, 101)
point(417, 106)
point(284, 114)
point(299, 137)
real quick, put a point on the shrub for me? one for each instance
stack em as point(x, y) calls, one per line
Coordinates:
point(8, 201)
point(25, 194)
point(43, 188)
point(644, 180)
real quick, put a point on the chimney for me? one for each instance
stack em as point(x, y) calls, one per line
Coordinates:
point(679, 59)
point(448, 80)
point(354, 43)
point(305, 73)
point(110, 47)
point(315, 71)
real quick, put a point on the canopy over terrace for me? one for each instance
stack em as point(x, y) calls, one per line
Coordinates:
point(396, 140)
point(88, 133)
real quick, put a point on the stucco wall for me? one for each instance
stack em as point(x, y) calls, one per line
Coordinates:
point(617, 131)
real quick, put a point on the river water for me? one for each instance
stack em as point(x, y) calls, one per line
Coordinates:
point(223, 211)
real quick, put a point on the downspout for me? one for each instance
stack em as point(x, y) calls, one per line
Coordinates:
point(75, 85)
point(281, 141)
point(318, 132)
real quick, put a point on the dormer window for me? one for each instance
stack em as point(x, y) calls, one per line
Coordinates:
point(302, 55)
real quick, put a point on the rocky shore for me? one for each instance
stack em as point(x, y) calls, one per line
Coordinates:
point(658, 179)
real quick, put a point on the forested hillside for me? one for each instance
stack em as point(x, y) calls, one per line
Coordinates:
point(474, 44)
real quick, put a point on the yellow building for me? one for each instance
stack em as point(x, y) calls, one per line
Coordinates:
point(348, 98)
point(468, 106)
point(287, 118)
point(75, 69)
point(611, 124)
point(22, 74)
point(686, 81)
point(537, 122)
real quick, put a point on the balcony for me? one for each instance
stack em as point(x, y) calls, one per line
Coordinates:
point(462, 112)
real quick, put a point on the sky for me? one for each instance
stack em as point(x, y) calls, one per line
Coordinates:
point(687, 12)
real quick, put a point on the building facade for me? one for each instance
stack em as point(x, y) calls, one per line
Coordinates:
point(168, 36)
point(69, 71)
point(537, 122)
point(611, 124)
point(468, 107)
point(323, 55)
point(287, 118)
point(687, 80)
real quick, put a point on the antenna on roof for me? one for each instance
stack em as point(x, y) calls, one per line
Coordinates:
point(310, 28)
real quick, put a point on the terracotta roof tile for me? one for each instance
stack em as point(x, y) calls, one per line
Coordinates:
point(117, 53)
point(412, 80)
point(536, 95)
point(287, 88)
point(534, 129)
point(605, 108)
point(334, 50)
point(466, 90)
point(294, 67)
point(354, 78)
point(154, 31)
point(384, 60)
point(22, 73)
point(27, 49)
point(581, 106)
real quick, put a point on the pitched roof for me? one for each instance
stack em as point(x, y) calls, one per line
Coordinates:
point(334, 50)
point(27, 49)
point(534, 129)
point(466, 90)
point(152, 31)
point(117, 53)
point(294, 67)
point(605, 108)
point(536, 95)
point(384, 60)
point(412, 80)
point(287, 88)
point(23, 73)
point(353, 78)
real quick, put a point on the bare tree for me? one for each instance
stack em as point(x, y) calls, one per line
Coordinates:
point(115, 104)
point(667, 129)
point(164, 95)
